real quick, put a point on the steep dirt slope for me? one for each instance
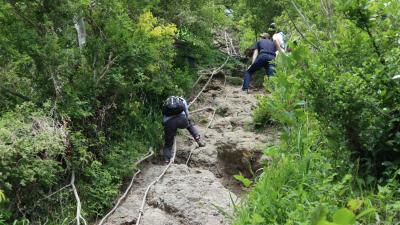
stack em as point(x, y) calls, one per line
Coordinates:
point(197, 193)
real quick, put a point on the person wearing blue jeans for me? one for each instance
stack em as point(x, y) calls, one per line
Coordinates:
point(264, 53)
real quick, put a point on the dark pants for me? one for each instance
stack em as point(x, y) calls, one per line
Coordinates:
point(263, 60)
point(170, 128)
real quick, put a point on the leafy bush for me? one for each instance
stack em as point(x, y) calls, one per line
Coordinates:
point(309, 182)
point(32, 147)
point(107, 92)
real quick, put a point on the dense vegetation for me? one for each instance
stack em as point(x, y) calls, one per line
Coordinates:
point(81, 84)
point(335, 99)
point(80, 89)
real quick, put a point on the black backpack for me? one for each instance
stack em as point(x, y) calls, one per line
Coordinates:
point(173, 106)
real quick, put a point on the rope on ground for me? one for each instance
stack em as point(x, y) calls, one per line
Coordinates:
point(200, 110)
point(78, 202)
point(226, 95)
point(141, 210)
point(209, 123)
point(208, 81)
point(149, 154)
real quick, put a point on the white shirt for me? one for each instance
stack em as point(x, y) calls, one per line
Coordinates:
point(280, 37)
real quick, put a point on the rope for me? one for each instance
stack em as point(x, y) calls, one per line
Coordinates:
point(141, 210)
point(200, 110)
point(214, 109)
point(78, 202)
point(149, 154)
point(208, 81)
point(209, 123)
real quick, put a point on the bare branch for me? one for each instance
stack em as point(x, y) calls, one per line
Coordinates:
point(307, 23)
point(107, 67)
point(19, 95)
point(298, 31)
point(59, 190)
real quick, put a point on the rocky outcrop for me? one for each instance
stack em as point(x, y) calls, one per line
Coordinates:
point(185, 196)
point(192, 195)
point(232, 144)
point(199, 193)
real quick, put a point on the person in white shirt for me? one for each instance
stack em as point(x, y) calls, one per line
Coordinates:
point(278, 38)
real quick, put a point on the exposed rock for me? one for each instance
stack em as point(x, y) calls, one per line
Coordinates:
point(238, 153)
point(192, 196)
point(183, 196)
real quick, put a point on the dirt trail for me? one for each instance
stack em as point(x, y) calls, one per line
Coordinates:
point(198, 193)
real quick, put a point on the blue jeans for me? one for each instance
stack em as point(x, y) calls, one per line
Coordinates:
point(262, 60)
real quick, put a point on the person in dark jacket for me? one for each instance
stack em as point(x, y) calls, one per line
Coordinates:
point(264, 53)
point(171, 125)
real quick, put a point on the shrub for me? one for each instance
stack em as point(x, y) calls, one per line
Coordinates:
point(32, 147)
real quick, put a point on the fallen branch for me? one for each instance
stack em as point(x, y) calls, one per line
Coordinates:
point(298, 30)
point(59, 190)
point(151, 152)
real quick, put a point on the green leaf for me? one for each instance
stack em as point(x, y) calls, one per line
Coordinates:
point(318, 215)
point(354, 204)
point(344, 217)
point(246, 182)
point(2, 196)
point(257, 219)
point(365, 212)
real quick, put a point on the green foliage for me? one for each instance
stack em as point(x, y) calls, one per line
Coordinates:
point(246, 182)
point(253, 18)
point(105, 95)
point(337, 105)
point(308, 180)
point(30, 143)
point(2, 196)
point(31, 146)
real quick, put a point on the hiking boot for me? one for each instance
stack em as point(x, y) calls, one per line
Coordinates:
point(199, 142)
point(246, 90)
